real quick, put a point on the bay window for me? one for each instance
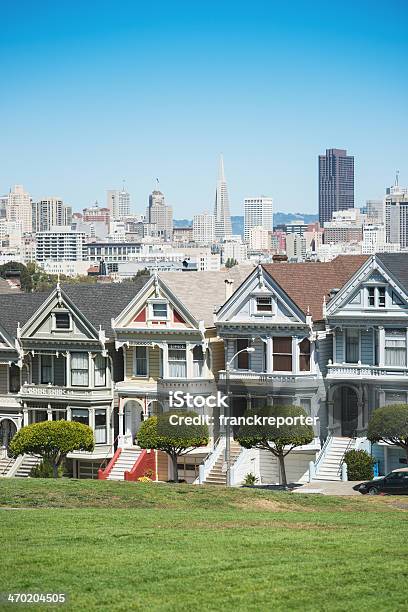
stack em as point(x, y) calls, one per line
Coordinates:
point(79, 369)
point(352, 345)
point(177, 361)
point(395, 347)
point(282, 354)
point(80, 415)
point(100, 426)
point(100, 370)
point(140, 361)
point(304, 355)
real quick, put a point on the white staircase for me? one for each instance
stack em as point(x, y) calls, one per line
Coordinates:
point(124, 463)
point(25, 466)
point(5, 465)
point(216, 475)
point(329, 467)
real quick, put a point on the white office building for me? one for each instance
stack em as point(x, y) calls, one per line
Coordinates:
point(259, 238)
point(204, 228)
point(258, 213)
point(396, 215)
point(61, 244)
point(118, 203)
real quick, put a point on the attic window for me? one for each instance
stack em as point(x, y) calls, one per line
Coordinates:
point(159, 310)
point(264, 304)
point(62, 320)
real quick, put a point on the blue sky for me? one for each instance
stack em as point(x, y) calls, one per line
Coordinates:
point(94, 92)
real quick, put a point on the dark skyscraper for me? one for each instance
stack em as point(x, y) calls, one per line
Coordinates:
point(336, 183)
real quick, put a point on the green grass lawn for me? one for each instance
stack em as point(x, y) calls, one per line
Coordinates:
point(130, 546)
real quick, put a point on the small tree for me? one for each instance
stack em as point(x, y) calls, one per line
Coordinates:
point(278, 440)
point(52, 440)
point(359, 465)
point(390, 425)
point(159, 433)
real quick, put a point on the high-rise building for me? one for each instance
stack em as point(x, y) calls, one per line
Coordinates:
point(160, 214)
point(18, 208)
point(374, 211)
point(336, 183)
point(223, 228)
point(258, 213)
point(50, 212)
point(118, 203)
point(396, 215)
point(204, 228)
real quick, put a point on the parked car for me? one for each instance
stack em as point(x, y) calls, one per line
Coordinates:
point(396, 482)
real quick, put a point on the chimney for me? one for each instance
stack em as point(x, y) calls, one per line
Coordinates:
point(229, 284)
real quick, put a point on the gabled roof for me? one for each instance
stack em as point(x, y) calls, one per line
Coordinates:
point(307, 284)
point(397, 265)
point(204, 292)
point(98, 303)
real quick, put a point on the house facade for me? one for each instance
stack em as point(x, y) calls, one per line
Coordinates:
point(330, 337)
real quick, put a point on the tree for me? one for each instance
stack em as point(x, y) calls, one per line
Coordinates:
point(177, 439)
point(52, 440)
point(390, 425)
point(278, 439)
point(25, 275)
point(231, 262)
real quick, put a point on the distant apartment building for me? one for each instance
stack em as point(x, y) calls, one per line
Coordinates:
point(3, 206)
point(18, 208)
point(374, 240)
point(336, 183)
point(259, 238)
point(204, 228)
point(50, 212)
point(118, 203)
point(160, 214)
point(61, 244)
point(346, 226)
point(258, 212)
point(182, 234)
point(396, 215)
point(223, 227)
point(234, 249)
point(295, 247)
point(293, 227)
point(96, 213)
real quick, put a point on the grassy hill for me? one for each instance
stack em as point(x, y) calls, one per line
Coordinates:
point(130, 546)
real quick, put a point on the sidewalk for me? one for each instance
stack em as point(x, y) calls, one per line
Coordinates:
point(325, 487)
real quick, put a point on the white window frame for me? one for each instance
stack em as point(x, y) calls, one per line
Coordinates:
point(135, 374)
point(95, 370)
point(377, 297)
point(59, 330)
point(185, 361)
point(345, 345)
point(388, 336)
point(73, 353)
point(151, 314)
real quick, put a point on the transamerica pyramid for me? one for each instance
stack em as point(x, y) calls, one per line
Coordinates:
point(222, 216)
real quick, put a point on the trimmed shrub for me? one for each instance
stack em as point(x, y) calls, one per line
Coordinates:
point(45, 470)
point(360, 465)
point(250, 480)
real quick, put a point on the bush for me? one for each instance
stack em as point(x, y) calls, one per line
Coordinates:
point(45, 470)
point(250, 480)
point(360, 465)
point(144, 479)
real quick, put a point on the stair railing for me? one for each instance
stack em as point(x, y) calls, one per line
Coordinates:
point(323, 452)
point(103, 472)
point(208, 463)
point(349, 446)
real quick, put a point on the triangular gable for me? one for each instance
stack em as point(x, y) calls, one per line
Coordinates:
point(40, 325)
point(136, 313)
point(244, 306)
point(352, 298)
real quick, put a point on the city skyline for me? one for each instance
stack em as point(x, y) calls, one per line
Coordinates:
point(142, 92)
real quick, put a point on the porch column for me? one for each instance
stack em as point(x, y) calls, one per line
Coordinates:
point(330, 416)
point(360, 416)
point(121, 422)
point(269, 364)
point(165, 360)
point(68, 369)
point(25, 415)
point(295, 355)
point(49, 412)
point(381, 346)
point(381, 398)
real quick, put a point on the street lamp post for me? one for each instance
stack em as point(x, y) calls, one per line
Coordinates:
point(249, 349)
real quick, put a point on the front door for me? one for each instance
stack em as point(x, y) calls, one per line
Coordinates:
point(7, 430)
point(349, 412)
